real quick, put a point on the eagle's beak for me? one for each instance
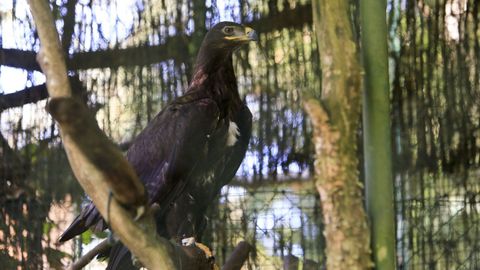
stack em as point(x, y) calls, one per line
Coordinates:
point(248, 35)
point(251, 34)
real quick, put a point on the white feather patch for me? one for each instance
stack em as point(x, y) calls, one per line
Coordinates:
point(233, 133)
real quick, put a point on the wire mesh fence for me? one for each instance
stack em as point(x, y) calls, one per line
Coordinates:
point(282, 223)
point(438, 222)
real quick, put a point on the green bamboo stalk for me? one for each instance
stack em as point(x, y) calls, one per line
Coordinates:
point(376, 125)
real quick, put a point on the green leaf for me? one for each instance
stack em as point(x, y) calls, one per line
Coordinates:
point(87, 237)
point(47, 227)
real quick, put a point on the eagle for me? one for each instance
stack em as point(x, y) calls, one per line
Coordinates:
point(190, 149)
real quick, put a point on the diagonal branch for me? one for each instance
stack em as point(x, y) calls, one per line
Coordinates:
point(82, 133)
point(238, 256)
point(98, 165)
point(89, 256)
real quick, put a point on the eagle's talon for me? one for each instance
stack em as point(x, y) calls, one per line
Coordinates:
point(208, 255)
point(187, 242)
point(136, 262)
point(139, 212)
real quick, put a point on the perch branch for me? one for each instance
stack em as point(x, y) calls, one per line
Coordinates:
point(50, 56)
point(80, 130)
point(98, 165)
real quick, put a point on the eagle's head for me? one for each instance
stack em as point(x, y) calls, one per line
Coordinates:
point(216, 51)
point(228, 36)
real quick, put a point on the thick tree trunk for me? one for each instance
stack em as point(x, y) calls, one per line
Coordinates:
point(336, 121)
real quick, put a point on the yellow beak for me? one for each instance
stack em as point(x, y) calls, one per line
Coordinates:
point(251, 34)
point(248, 35)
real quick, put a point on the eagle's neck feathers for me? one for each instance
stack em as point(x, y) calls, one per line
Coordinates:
point(214, 75)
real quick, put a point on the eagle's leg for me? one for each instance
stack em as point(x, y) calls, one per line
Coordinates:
point(112, 240)
point(141, 213)
point(110, 236)
point(190, 241)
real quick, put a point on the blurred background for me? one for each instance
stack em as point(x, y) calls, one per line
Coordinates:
point(134, 56)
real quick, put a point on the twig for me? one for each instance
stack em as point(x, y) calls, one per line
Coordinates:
point(238, 256)
point(89, 256)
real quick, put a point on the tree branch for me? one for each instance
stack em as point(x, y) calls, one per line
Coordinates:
point(83, 132)
point(111, 58)
point(89, 256)
point(238, 256)
point(97, 164)
point(12, 167)
point(68, 25)
point(147, 55)
point(34, 94)
point(16, 58)
point(50, 57)
point(234, 262)
point(287, 18)
point(22, 97)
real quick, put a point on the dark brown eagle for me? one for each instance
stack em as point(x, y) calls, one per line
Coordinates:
point(191, 149)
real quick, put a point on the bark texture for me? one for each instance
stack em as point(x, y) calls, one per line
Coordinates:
point(336, 121)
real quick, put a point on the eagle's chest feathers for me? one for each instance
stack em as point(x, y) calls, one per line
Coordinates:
point(232, 134)
point(209, 176)
point(217, 155)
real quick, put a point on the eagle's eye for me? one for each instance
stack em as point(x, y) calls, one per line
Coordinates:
point(228, 30)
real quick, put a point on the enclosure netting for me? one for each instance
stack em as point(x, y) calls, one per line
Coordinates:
point(135, 56)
